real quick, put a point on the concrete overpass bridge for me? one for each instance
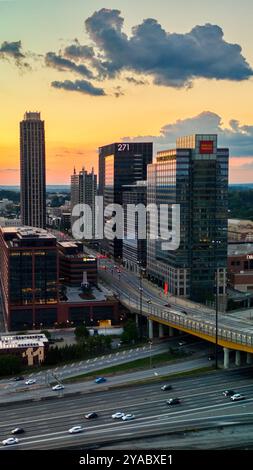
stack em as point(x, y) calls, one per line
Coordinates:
point(238, 339)
point(235, 330)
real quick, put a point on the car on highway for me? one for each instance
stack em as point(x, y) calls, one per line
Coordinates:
point(166, 387)
point(182, 343)
point(10, 441)
point(100, 380)
point(30, 382)
point(17, 379)
point(128, 417)
point(211, 357)
point(91, 415)
point(237, 397)
point(228, 393)
point(17, 431)
point(173, 401)
point(76, 429)
point(118, 415)
point(58, 387)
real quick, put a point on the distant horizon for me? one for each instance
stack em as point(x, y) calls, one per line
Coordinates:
point(64, 185)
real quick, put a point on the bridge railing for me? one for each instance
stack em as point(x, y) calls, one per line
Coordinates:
point(204, 326)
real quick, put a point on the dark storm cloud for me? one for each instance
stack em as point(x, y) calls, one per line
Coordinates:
point(60, 63)
point(136, 81)
point(238, 137)
point(13, 50)
point(77, 51)
point(82, 86)
point(171, 59)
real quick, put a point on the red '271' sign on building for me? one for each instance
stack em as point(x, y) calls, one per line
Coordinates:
point(206, 146)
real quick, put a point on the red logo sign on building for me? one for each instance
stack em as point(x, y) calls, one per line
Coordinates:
point(206, 146)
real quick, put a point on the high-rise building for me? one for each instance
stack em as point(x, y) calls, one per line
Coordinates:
point(194, 175)
point(134, 247)
point(29, 277)
point(84, 191)
point(74, 189)
point(121, 164)
point(32, 171)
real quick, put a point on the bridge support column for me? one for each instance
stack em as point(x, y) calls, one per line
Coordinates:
point(150, 329)
point(226, 358)
point(249, 358)
point(137, 320)
point(237, 358)
point(161, 333)
point(171, 331)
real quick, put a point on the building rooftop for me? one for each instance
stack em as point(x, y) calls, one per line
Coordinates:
point(31, 116)
point(240, 249)
point(22, 341)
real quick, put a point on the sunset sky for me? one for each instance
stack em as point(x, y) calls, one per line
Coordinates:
point(186, 66)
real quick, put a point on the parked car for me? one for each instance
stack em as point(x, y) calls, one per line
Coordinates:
point(237, 397)
point(17, 431)
point(166, 387)
point(100, 380)
point(76, 429)
point(173, 401)
point(10, 441)
point(228, 393)
point(92, 415)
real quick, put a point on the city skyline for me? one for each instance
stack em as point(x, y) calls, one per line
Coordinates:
point(88, 102)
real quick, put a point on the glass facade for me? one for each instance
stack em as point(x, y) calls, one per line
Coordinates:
point(198, 181)
point(121, 164)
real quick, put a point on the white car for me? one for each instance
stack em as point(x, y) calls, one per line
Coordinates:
point(237, 397)
point(118, 415)
point(128, 417)
point(58, 387)
point(30, 382)
point(10, 441)
point(76, 429)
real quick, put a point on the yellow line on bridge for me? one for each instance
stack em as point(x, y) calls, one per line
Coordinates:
point(199, 334)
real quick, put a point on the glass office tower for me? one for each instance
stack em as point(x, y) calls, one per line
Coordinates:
point(194, 175)
point(121, 164)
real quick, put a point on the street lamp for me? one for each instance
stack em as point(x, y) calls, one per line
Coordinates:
point(150, 356)
point(141, 291)
point(215, 243)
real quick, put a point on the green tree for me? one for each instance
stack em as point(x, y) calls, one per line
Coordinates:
point(81, 332)
point(130, 332)
point(10, 365)
point(46, 333)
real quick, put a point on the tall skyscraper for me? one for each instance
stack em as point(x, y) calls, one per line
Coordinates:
point(84, 191)
point(74, 189)
point(32, 171)
point(194, 175)
point(121, 164)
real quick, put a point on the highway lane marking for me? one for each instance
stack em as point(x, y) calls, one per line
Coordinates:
point(199, 409)
point(212, 380)
point(102, 431)
point(183, 397)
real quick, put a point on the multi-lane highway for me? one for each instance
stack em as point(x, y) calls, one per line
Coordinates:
point(46, 423)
